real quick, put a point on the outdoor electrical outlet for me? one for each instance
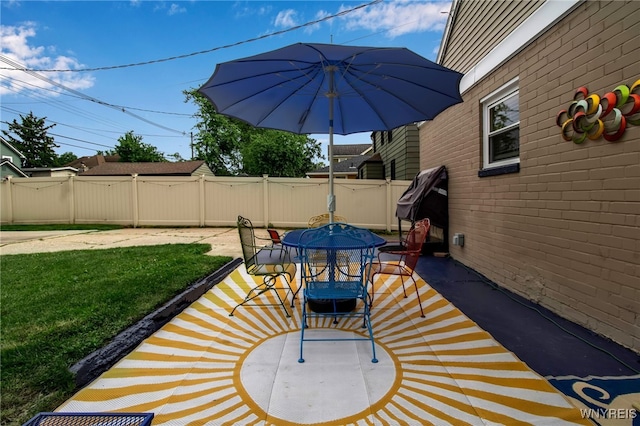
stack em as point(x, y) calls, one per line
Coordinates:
point(458, 240)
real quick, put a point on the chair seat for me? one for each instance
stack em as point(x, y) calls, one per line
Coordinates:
point(390, 268)
point(275, 268)
point(333, 290)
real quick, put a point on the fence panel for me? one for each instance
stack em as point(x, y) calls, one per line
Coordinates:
point(362, 202)
point(103, 200)
point(227, 197)
point(168, 201)
point(40, 200)
point(196, 201)
point(291, 202)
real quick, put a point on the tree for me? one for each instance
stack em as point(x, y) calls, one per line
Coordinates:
point(66, 158)
point(32, 141)
point(131, 149)
point(280, 154)
point(231, 146)
point(218, 138)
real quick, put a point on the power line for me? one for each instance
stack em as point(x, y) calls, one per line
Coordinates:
point(16, 65)
point(79, 140)
point(23, 83)
point(172, 58)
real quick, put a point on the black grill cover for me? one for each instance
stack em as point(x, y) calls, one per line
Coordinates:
point(426, 197)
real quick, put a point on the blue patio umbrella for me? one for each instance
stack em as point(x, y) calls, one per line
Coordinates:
point(309, 88)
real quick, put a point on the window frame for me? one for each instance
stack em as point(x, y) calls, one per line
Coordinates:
point(508, 90)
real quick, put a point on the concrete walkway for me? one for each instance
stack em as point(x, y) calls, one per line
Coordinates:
point(224, 241)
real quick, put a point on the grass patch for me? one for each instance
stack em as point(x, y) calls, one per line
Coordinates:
point(59, 227)
point(59, 307)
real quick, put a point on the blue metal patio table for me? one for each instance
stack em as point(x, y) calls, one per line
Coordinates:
point(297, 239)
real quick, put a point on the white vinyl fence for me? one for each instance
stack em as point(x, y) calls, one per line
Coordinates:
point(196, 201)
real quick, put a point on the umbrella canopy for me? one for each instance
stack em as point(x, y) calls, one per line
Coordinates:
point(325, 88)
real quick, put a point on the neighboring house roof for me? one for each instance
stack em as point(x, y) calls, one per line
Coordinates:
point(84, 163)
point(351, 149)
point(8, 165)
point(12, 148)
point(346, 167)
point(182, 168)
point(375, 158)
point(50, 171)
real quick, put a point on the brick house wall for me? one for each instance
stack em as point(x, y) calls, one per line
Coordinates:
point(564, 231)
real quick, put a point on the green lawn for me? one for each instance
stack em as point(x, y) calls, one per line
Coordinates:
point(59, 307)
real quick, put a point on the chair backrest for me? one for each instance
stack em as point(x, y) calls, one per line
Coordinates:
point(275, 236)
point(248, 241)
point(323, 219)
point(335, 258)
point(413, 244)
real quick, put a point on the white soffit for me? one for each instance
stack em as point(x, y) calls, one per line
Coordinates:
point(542, 19)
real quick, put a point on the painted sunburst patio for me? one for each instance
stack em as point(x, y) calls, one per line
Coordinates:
point(205, 367)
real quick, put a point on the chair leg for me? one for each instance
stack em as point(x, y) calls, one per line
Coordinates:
point(302, 327)
point(367, 318)
point(415, 284)
point(372, 279)
point(268, 283)
point(403, 289)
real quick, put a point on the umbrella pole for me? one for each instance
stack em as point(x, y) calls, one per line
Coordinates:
point(331, 199)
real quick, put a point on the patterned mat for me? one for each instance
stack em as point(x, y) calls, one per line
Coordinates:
point(205, 367)
point(607, 401)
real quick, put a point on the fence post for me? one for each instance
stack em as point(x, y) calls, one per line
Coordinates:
point(72, 203)
point(134, 198)
point(265, 198)
point(9, 200)
point(389, 206)
point(202, 202)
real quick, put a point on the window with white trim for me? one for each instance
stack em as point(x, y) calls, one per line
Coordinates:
point(501, 127)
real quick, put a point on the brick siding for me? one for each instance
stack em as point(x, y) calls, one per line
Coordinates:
point(565, 230)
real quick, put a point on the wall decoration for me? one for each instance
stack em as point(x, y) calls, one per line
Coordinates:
point(590, 116)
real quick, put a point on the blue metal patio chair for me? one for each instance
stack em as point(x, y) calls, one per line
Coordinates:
point(258, 262)
point(335, 259)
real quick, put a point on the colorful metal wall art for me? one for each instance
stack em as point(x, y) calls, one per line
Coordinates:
point(591, 116)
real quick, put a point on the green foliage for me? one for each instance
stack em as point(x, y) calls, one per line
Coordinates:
point(279, 154)
point(232, 147)
point(66, 158)
point(59, 307)
point(32, 141)
point(131, 149)
point(218, 138)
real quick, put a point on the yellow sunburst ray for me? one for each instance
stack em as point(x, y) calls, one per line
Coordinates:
point(168, 343)
point(242, 418)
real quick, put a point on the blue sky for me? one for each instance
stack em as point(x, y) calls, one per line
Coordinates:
point(182, 43)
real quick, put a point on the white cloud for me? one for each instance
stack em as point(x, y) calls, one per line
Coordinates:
point(175, 9)
point(319, 15)
point(399, 17)
point(16, 49)
point(286, 18)
point(247, 9)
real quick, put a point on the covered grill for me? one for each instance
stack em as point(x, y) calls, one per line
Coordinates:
point(426, 197)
